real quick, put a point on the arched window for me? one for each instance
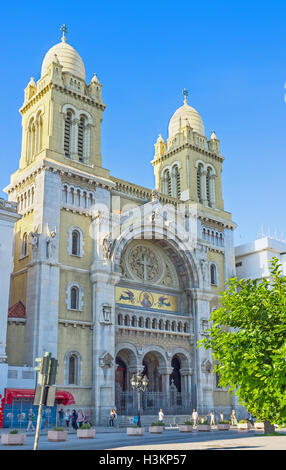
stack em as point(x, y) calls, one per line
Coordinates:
point(74, 298)
point(80, 142)
point(208, 186)
point(199, 178)
point(73, 368)
point(39, 126)
point(176, 183)
point(67, 134)
point(31, 141)
point(24, 250)
point(75, 243)
point(84, 199)
point(213, 274)
point(77, 198)
point(65, 194)
point(167, 183)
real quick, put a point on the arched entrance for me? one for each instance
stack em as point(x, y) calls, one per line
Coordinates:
point(175, 377)
point(151, 366)
point(153, 304)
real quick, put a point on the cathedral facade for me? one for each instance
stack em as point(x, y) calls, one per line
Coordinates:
point(115, 278)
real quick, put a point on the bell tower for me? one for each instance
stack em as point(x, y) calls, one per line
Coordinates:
point(188, 166)
point(62, 114)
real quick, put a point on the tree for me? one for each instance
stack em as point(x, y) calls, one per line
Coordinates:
point(248, 342)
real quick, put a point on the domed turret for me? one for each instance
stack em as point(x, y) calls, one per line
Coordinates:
point(186, 115)
point(67, 56)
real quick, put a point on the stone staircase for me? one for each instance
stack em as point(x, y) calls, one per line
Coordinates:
point(146, 420)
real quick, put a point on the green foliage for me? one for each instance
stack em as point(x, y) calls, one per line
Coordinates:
point(85, 426)
point(223, 421)
point(158, 423)
point(15, 431)
point(57, 428)
point(248, 343)
point(189, 423)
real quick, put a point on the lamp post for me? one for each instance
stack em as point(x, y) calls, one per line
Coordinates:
point(139, 384)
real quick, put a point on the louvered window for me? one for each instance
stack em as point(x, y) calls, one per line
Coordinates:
point(67, 134)
point(80, 147)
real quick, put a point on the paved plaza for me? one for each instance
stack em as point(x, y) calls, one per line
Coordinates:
point(171, 439)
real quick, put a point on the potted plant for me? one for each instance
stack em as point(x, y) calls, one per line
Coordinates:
point(223, 425)
point(13, 438)
point(135, 431)
point(243, 425)
point(57, 434)
point(86, 431)
point(259, 425)
point(186, 427)
point(203, 425)
point(157, 428)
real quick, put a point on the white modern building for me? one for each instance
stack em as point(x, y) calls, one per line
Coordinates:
point(8, 217)
point(253, 260)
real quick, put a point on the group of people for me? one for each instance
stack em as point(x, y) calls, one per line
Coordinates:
point(233, 419)
point(73, 419)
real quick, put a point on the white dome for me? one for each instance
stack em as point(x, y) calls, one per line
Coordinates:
point(183, 115)
point(68, 58)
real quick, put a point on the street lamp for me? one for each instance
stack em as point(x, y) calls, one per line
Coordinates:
point(140, 384)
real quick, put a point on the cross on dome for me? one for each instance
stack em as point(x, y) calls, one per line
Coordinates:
point(185, 93)
point(64, 29)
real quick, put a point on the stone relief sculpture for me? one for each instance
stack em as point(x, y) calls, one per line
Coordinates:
point(50, 246)
point(106, 314)
point(107, 244)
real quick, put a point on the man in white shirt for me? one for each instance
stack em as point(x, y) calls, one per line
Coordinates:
point(195, 417)
point(161, 415)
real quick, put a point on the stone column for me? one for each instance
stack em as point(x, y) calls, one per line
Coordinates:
point(202, 358)
point(42, 301)
point(8, 217)
point(104, 280)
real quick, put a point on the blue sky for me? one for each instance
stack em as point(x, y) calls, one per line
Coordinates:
point(229, 55)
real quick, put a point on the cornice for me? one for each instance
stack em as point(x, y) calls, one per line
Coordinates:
point(79, 96)
point(63, 170)
point(62, 89)
point(35, 98)
point(198, 149)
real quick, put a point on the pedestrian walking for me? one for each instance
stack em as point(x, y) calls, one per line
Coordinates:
point(195, 417)
point(233, 418)
point(31, 419)
point(61, 416)
point(74, 419)
point(212, 418)
point(87, 418)
point(111, 418)
point(250, 419)
point(80, 418)
point(220, 416)
point(68, 419)
point(161, 416)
